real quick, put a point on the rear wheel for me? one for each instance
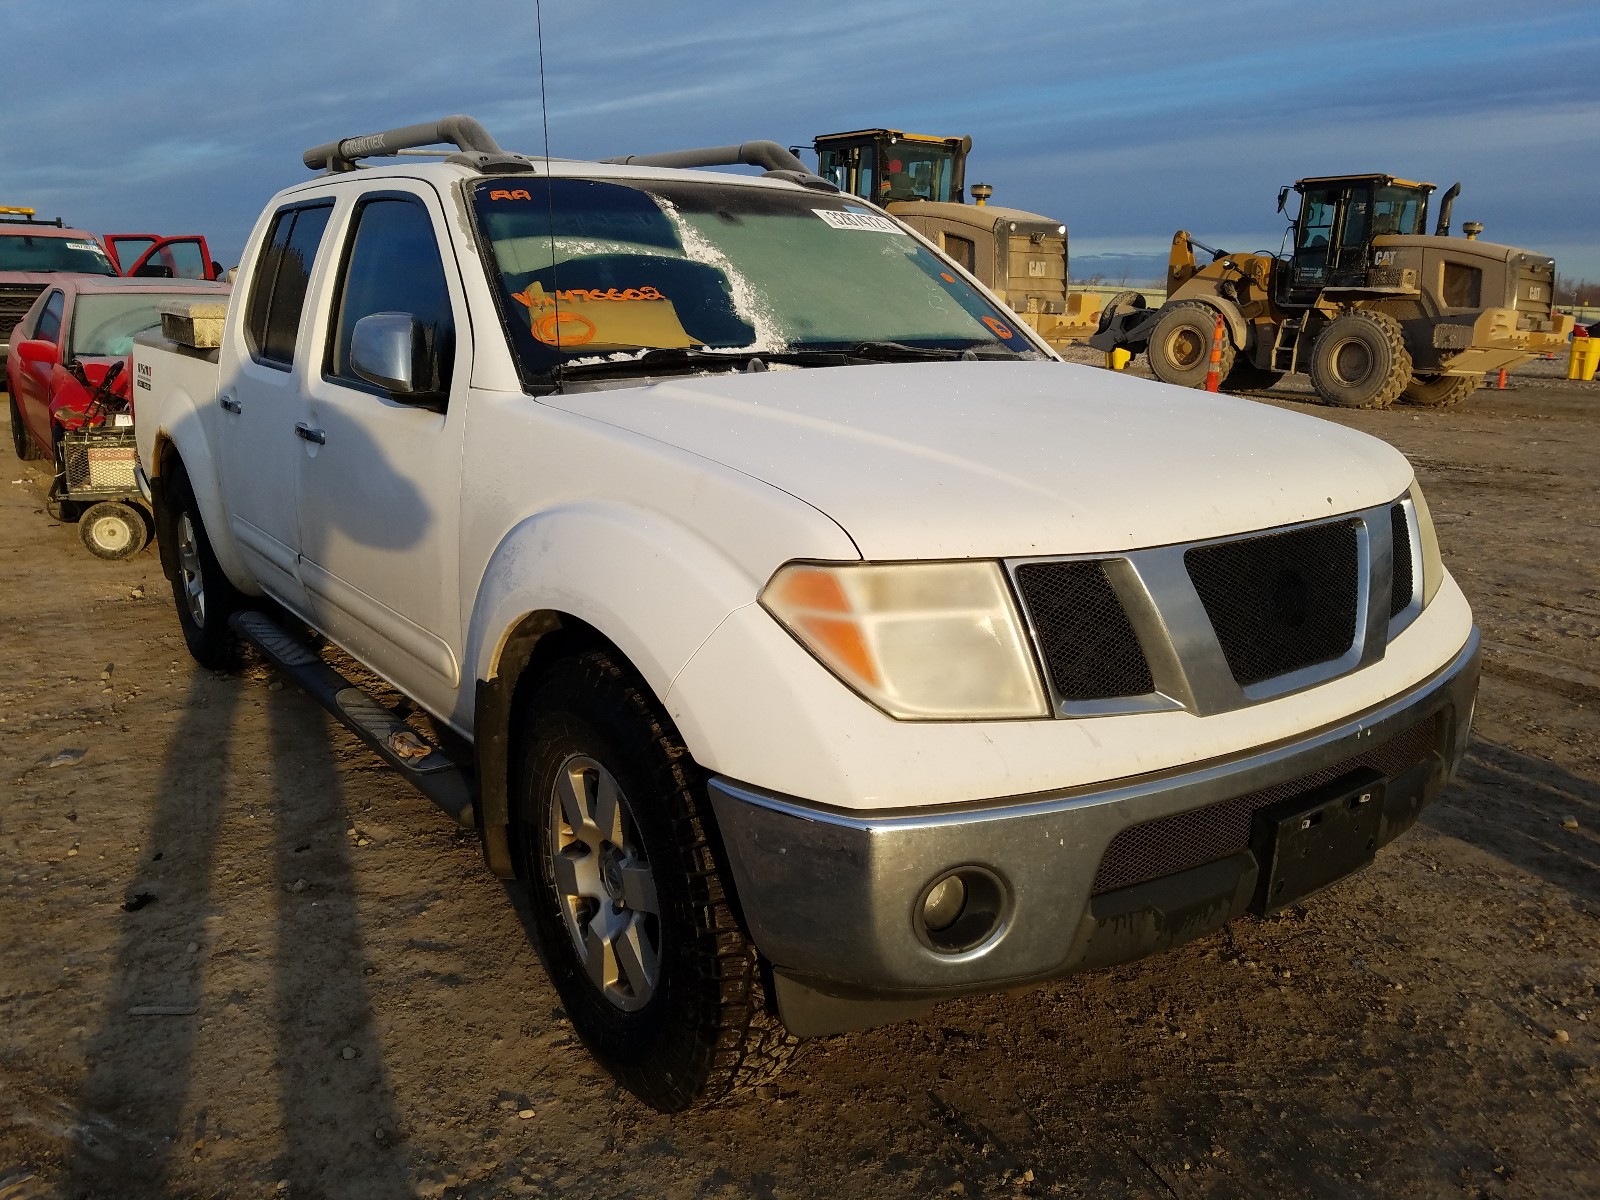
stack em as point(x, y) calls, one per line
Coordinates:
point(1360, 360)
point(28, 450)
point(112, 530)
point(204, 596)
point(1180, 345)
point(631, 915)
point(1439, 391)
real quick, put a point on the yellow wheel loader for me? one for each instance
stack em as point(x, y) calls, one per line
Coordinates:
point(1021, 256)
point(1366, 302)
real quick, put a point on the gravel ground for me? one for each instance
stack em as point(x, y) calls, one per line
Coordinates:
point(237, 958)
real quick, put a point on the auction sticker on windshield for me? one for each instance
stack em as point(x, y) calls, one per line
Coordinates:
point(846, 220)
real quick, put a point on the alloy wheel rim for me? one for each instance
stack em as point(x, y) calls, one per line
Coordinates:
point(604, 888)
point(193, 582)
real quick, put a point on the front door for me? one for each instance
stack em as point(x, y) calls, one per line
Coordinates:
point(380, 478)
point(33, 378)
point(259, 452)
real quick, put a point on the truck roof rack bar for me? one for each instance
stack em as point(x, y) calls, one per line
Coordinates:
point(775, 159)
point(465, 133)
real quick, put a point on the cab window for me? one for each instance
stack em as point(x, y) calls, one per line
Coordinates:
point(392, 264)
point(278, 291)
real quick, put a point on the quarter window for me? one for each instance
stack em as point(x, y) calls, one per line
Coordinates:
point(278, 292)
point(393, 266)
point(49, 327)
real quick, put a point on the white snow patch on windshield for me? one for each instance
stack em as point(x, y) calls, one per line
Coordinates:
point(751, 305)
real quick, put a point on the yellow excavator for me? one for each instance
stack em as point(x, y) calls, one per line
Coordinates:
point(1020, 256)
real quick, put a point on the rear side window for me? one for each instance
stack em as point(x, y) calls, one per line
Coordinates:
point(393, 265)
point(49, 327)
point(278, 292)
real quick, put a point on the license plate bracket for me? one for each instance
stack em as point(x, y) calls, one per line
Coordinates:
point(1308, 841)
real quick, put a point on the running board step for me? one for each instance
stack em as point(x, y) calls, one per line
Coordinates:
point(423, 764)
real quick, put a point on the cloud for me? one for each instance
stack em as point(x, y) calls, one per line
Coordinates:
point(1125, 120)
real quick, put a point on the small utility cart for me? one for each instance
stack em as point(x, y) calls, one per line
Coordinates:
point(95, 460)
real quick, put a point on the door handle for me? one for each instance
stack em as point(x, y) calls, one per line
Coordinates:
point(305, 433)
point(229, 403)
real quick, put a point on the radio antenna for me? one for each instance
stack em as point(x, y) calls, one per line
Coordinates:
point(549, 201)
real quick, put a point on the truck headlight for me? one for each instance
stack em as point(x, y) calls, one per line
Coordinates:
point(922, 641)
point(1432, 563)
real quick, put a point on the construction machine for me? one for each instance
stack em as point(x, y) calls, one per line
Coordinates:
point(1020, 256)
point(1366, 302)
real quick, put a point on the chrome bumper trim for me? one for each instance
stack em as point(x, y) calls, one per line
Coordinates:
point(829, 895)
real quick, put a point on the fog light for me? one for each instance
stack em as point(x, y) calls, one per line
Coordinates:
point(961, 910)
point(945, 901)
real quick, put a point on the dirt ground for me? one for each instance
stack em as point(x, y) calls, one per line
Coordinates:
point(238, 958)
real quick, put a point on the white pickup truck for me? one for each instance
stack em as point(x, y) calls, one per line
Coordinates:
point(813, 643)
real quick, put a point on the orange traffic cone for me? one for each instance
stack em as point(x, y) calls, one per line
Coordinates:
point(1214, 370)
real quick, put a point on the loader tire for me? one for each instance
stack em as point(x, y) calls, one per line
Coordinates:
point(1180, 345)
point(1360, 360)
point(1247, 377)
point(1438, 391)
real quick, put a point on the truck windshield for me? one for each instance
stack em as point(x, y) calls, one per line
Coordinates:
point(107, 325)
point(590, 269)
point(26, 252)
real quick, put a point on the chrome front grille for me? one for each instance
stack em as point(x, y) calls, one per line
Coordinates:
point(1217, 625)
point(1280, 602)
point(1090, 650)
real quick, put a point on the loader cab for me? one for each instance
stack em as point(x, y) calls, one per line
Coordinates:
point(887, 165)
point(1338, 219)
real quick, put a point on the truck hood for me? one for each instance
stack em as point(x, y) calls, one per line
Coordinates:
point(989, 460)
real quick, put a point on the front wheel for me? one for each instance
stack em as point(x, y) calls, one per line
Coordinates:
point(204, 596)
point(1180, 345)
point(1439, 391)
point(631, 915)
point(28, 450)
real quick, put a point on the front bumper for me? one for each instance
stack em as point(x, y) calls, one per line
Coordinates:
point(832, 898)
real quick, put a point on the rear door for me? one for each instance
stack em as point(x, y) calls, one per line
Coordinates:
point(265, 399)
point(380, 479)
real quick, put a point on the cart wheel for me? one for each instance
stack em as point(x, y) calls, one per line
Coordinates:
point(112, 529)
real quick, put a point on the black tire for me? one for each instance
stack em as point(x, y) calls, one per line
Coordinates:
point(1439, 391)
point(1247, 377)
point(698, 1027)
point(204, 597)
point(23, 442)
point(1180, 345)
point(1360, 360)
point(112, 530)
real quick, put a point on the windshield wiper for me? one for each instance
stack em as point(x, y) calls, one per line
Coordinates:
point(677, 358)
point(663, 356)
point(901, 352)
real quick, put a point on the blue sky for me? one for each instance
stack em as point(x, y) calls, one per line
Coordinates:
point(1126, 120)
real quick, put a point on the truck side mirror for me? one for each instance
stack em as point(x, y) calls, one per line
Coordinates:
point(1283, 198)
point(37, 350)
point(390, 349)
